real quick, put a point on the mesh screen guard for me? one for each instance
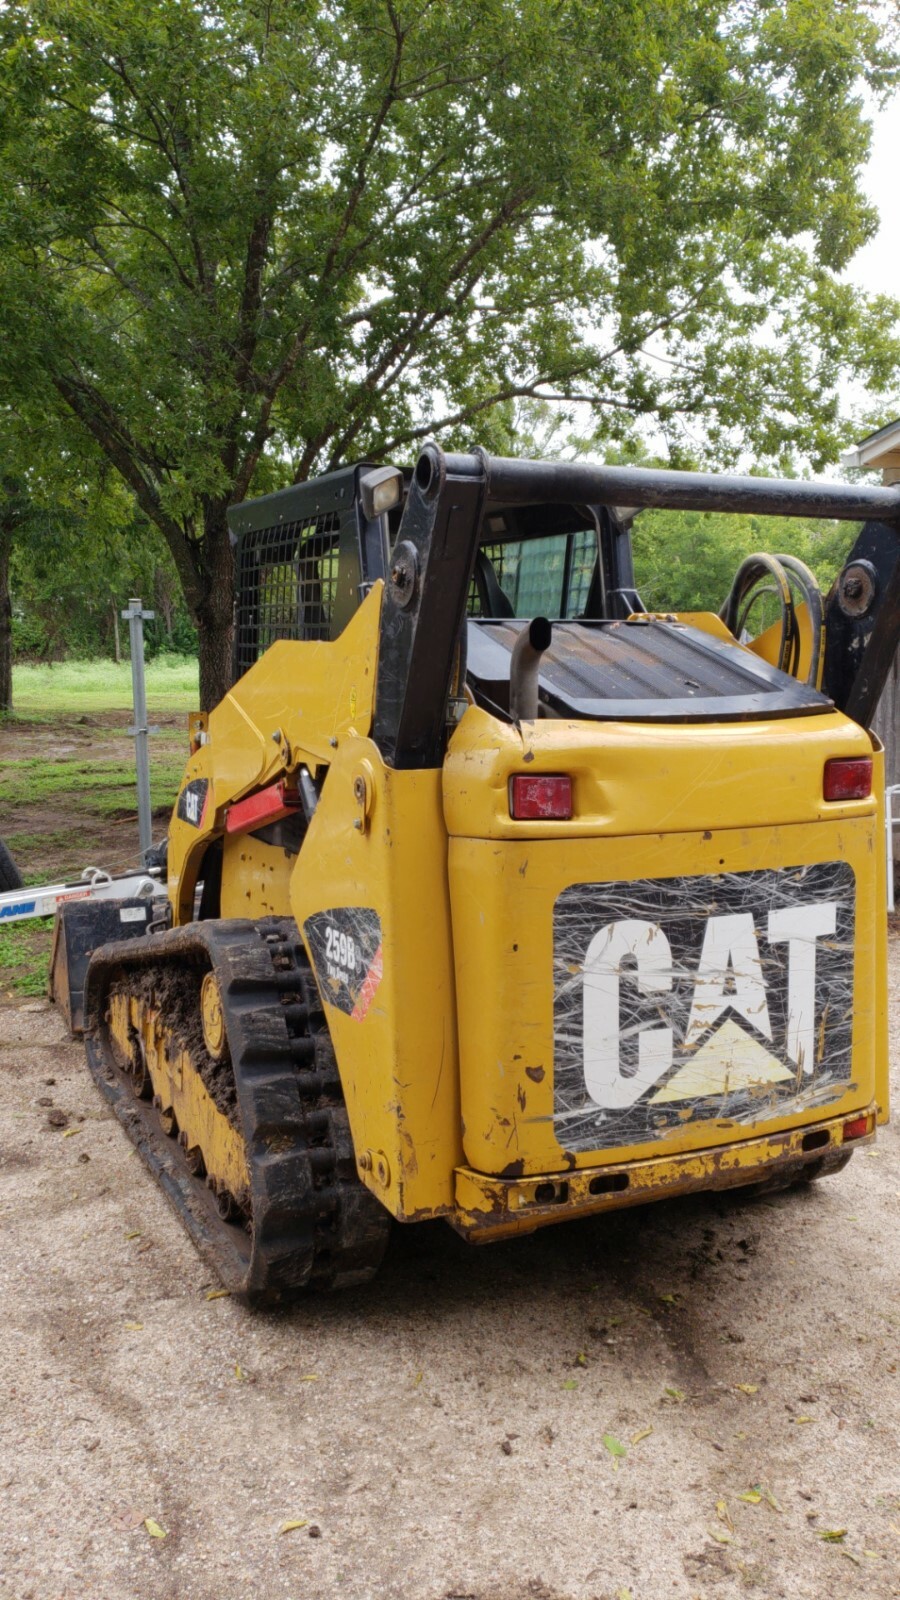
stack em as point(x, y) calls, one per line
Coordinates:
point(286, 585)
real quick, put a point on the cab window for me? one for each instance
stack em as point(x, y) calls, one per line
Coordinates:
point(545, 576)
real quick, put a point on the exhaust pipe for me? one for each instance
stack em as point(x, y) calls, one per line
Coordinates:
point(524, 666)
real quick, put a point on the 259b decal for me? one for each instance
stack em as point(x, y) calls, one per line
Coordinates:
point(345, 945)
point(700, 997)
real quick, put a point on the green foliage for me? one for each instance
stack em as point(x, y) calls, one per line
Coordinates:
point(78, 551)
point(25, 958)
point(241, 241)
point(69, 585)
point(686, 560)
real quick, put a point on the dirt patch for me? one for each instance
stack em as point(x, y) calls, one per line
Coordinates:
point(446, 1429)
point(67, 803)
point(69, 825)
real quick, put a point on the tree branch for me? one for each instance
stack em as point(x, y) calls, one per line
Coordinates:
point(117, 445)
point(514, 392)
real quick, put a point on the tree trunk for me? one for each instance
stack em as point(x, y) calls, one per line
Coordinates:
point(6, 537)
point(164, 599)
point(117, 644)
point(214, 615)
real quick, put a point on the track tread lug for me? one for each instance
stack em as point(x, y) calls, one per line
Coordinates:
point(315, 1224)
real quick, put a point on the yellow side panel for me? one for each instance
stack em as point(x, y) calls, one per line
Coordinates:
point(310, 693)
point(880, 965)
point(767, 645)
point(381, 888)
point(297, 703)
point(189, 839)
point(255, 878)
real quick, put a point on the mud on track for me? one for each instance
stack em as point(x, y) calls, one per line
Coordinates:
point(441, 1433)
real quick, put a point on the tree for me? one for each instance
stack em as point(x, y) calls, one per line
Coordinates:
point(686, 560)
point(244, 240)
point(14, 511)
point(73, 547)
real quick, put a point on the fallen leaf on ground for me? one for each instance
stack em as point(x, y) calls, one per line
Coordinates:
point(135, 1233)
point(309, 1377)
point(770, 1498)
point(798, 1420)
point(721, 1535)
point(752, 1496)
point(581, 1359)
point(418, 1379)
point(669, 1299)
point(296, 1522)
point(154, 1529)
point(831, 1535)
point(747, 1388)
point(678, 1395)
point(132, 1327)
point(643, 1434)
point(239, 1372)
point(723, 1514)
point(613, 1445)
point(218, 1294)
point(570, 1383)
point(71, 1132)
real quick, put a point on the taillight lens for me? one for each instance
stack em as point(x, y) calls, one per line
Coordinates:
point(858, 1127)
point(541, 797)
point(848, 779)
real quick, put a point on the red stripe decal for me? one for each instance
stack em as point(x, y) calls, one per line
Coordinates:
point(370, 984)
point(267, 805)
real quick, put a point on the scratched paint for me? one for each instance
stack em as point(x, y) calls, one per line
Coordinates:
point(693, 998)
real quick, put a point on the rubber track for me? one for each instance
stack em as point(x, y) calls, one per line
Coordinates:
point(314, 1223)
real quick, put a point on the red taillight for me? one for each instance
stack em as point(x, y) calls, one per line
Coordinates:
point(540, 797)
point(857, 1128)
point(848, 779)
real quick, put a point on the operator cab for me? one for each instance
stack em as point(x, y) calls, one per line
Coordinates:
point(608, 659)
point(306, 557)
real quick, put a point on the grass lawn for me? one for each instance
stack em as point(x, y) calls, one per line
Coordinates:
point(84, 788)
point(24, 958)
point(45, 691)
point(67, 783)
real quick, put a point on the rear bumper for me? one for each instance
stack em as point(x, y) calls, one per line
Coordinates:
point(490, 1208)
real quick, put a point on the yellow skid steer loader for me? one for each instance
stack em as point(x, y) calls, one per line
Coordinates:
point(493, 896)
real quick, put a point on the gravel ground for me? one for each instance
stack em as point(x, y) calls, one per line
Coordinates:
point(440, 1434)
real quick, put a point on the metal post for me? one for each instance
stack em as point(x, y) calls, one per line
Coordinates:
point(136, 616)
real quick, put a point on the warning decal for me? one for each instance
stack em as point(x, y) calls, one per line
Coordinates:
point(346, 952)
point(192, 802)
